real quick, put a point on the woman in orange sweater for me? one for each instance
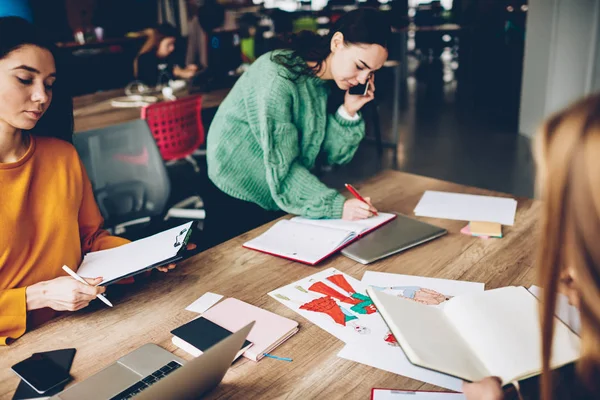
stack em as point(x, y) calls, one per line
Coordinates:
point(48, 215)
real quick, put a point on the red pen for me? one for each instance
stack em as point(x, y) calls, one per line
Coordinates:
point(357, 195)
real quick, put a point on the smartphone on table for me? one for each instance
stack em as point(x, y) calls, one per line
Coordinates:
point(41, 373)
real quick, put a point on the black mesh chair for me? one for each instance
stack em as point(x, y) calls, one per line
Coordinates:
point(128, 175)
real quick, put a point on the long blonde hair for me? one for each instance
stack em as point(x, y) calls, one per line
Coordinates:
point(568, 157)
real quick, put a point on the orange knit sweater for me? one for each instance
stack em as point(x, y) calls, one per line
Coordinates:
point(48, 218)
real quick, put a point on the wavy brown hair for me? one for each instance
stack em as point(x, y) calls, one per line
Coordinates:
point(568, 157)
point(154, 37)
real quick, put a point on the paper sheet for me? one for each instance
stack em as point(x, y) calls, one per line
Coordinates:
point(204, 302)
point(335, 302)
point(386, 355)
point(392, 359)
point(467, 207)
point(391, 394)
point(135, 256)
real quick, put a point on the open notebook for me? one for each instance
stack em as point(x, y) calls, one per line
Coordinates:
point(492, 333)
point(311, 240)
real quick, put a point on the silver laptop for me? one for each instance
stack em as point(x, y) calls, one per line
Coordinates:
point(397, 235)
point(150, 372)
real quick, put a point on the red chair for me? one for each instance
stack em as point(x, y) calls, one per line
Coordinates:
point(177, 128)
point(178, 132)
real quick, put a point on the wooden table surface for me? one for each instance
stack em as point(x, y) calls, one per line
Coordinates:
point(93, 111)
point(147, 311)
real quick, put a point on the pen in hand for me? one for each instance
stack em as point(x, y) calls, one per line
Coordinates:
point(80, 279)
point(359, 197)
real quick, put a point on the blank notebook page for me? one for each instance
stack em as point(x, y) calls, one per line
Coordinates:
point(309, 243)
point(358, 227)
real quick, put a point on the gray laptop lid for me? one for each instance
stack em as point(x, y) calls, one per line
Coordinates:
point(397, 235)
point(201, 374)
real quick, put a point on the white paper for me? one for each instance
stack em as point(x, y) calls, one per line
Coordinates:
point(392, 359)
point(393, 283)
point(204, 302)
point(391, 394)
point(358, 227)
point(564, 311)
point(387, 355)
point(502, 327)
point(467, 207)
point(308, 243)
point(135, 256)
point(348, 314)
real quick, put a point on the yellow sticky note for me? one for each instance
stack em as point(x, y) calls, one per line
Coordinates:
point(492, 229)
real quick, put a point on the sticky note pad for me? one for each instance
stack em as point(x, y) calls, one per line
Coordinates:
point(492, 229)
point(467, 231)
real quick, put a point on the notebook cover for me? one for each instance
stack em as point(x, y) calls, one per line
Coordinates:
point(327, 255)
point(63, 358)
point(269, 331)
point(202, 334)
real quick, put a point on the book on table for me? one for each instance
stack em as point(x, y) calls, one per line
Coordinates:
point(312, 240)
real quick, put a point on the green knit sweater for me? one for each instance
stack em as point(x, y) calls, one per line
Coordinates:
point(266, 136)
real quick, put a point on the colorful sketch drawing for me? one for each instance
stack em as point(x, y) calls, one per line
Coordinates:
point(328, 306)
point(361, 304)
point(391, 340)
point(416, 293)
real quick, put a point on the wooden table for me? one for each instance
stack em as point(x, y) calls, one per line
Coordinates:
point(93, 111)
point(149, 310)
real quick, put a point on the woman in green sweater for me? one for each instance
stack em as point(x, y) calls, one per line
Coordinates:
point(268, 132)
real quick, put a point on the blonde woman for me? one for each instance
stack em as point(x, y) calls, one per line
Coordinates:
point(567, 153)
point(154, 65)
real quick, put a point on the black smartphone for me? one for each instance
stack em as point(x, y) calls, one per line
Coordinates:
point(360, 90)
point(41, 373)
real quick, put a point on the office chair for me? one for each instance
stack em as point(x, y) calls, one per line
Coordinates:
point(178, 131)
point(128, 175)
point(177, 128)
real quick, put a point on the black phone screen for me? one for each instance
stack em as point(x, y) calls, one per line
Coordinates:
point(359, 90)
point(41, 373)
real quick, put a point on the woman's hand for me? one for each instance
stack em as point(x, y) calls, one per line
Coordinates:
point(355, 209)
point(63, 294)
point(185, 73)
point(353, 103)
point(166, 268)
point(486, 389)
point(189, 247)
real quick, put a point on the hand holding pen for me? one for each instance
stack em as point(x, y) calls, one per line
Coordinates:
point(359, 208)
point(64, 293)
point(80, 279)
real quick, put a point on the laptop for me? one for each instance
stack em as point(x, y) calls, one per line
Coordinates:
point(150, 372)
point(397, 235)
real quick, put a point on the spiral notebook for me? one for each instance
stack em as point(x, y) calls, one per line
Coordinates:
point(312, 240)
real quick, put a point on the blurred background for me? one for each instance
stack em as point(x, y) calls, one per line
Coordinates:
point(465, 87)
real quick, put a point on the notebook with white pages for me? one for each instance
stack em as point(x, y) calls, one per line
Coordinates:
point(472, 336)
point(311, 240)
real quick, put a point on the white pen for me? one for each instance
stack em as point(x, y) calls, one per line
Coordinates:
point(80, 279)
